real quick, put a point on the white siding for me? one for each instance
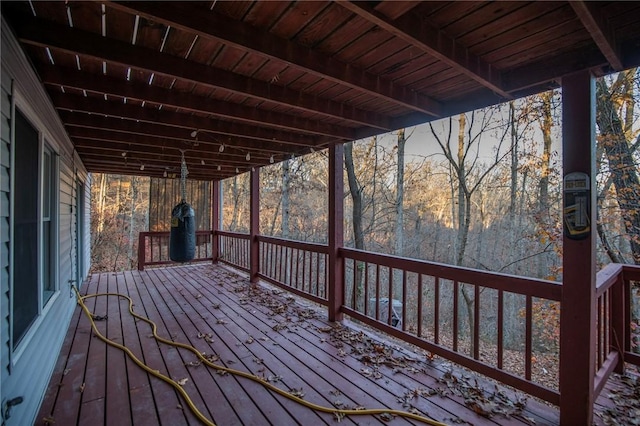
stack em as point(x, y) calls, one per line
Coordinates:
point(28, 374)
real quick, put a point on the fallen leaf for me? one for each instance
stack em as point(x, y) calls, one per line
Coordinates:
point(82, 388)
point(49, 420)
point(66, 371)
point(249, 340)
point(297, 392)
point(183, 382)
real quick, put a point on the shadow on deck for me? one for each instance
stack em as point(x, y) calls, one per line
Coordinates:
point(265, 332)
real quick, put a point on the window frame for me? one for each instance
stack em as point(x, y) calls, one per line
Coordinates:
point(45, 141)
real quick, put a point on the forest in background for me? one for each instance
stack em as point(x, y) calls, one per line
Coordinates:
point(486, 194)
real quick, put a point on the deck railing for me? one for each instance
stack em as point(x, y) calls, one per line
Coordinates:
point(438, 308)
point(234, 249)
point(615, 333)
point(153, 248)
point(457, 313)
point(296, 266)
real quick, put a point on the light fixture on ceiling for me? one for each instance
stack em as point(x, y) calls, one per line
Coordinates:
point(248, 157)
point(271, 159)
point(124, 153)
point(221, 148)
point(141, 166)
point(237, 171)
point(202, 162)
point(312, 149)
point(194, 134)
point(253, 169)
point(165, 173)
point(219, 167)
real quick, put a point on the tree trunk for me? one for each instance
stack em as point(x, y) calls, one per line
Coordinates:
point(514, 164)
point(621, 164)
point(399, 241)
point(132, 223)
point(358, 235)
point(286, 178)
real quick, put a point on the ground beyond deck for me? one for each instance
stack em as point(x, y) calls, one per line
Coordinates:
point(262, 331)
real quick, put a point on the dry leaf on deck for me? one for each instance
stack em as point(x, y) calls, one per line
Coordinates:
point(183, 382)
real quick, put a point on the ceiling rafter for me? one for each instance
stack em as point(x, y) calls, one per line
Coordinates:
point(141, 129)
point(115, 149)
point(112, 86)
point(600, 32)
point(40, 32)
point(214, 26)
point(196, 171)
point(187, 123)
point(434, 42)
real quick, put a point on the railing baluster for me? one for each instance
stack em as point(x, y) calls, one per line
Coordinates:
point(528, 338)
point(455, 315)
point(366, 288)
point(355, 284)
point(390, 298)
point(404, 300)
point(305, 283)
point(436, 311)
point(599, 348)
point(500, 336)
point(378, 291)
point(476, 322)
point(317, 274)
point(419, 331)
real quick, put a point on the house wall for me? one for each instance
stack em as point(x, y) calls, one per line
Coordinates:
point(26, 371)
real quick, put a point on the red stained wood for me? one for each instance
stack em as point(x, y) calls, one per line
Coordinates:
point(185, 301)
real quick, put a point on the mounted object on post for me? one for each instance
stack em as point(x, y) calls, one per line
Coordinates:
point(182, 242)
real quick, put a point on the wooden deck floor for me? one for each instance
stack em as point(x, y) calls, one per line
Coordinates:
point(264, 332)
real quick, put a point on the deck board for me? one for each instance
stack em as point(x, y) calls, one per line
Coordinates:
point(261, 331)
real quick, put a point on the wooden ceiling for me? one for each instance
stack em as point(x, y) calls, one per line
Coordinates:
point(259, 81)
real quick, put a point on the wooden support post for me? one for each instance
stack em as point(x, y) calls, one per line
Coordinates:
point(336, 237)
point(254, 230)
point(215, 220)
point(578, 313)
point(142, 250)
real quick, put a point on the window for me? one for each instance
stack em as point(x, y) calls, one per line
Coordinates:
point(34, 226)
point(49, 178)
point(25, 223)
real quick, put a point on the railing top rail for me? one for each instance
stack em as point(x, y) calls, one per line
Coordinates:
point(234, 235)
point(314, 247)
point(631, 272)
point(534, 287)
point(166, 233)
point(607, 277)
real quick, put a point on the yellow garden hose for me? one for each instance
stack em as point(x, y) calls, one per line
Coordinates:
point(194, 409)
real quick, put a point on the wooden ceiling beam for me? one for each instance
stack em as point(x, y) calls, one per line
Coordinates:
point(171, 157)
point(600, 31)
point(44, 33)
point(98, 121)
point(154, 171)
point(158, 142)
point(154, 161)
point(434, 42)
point(213, 26)
point(547, 73)
point(292, 125)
